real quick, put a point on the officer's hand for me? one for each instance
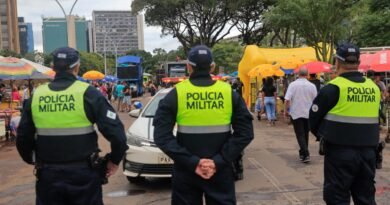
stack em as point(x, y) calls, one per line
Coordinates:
point(206, 168)
point(111, 169)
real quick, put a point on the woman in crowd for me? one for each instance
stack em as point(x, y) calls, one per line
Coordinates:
point(269, 100)
point(15, 95)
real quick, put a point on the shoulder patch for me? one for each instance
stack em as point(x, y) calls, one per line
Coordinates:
point(314, 108)
point(111, 115)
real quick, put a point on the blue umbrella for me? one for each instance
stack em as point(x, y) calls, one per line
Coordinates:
point(288, 71)
point(81, 79)
point(234, 74)
point(110, 78)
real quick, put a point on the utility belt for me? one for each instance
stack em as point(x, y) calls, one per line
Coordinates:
point(94, 162)
point(379, 151)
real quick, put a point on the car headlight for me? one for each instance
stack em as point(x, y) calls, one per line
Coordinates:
point(138, 141)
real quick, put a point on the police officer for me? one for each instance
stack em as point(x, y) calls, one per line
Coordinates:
point(56, 133)
point(345, 116)
point(206, 112)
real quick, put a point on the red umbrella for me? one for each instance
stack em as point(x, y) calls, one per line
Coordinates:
point(317, 67)
point(381, 61)
point(365, 62)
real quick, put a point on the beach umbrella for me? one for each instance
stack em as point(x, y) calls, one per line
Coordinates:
point(51, 73)
point(93, 75)
point(381, 61)
point(317, 67)
point(14, 69)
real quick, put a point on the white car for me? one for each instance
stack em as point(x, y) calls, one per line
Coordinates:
point(144, 158)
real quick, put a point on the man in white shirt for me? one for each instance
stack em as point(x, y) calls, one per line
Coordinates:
point(299, 98)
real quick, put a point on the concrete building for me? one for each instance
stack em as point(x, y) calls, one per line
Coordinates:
point(26, 36)
point(90, 37)
point(56, 32)
point(9, 35)
point(117, 32)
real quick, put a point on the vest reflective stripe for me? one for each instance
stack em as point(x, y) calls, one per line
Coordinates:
point(65, 131)
point(60, 110)
point(203, 129)
point(204, 106)
point(354, 120)
point(358, 102)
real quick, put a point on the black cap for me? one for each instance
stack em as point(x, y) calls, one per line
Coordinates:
point(348, 53)
point(65, 58)
point(200, 56)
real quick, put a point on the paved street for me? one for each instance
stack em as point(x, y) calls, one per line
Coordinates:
point(273, 175)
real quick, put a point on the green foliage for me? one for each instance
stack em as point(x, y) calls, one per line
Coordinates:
point(192, 22)
point(9, 53)
point(148, 62)
point(373, 25)
point(227, 55)
point(91, 61)
point(320, 23)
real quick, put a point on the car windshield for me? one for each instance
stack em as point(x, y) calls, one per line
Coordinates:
point(151, 109)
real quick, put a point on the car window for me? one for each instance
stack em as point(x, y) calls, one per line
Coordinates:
point(151, 109)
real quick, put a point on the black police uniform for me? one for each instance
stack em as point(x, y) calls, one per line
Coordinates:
point(350, 150)
point(65, 176)
point(188, 187)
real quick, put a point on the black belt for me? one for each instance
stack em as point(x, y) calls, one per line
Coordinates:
point(75, 164)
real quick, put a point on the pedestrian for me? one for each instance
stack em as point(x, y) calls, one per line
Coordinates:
point(126, 98)
point(57, 135)
point(299, 98)
point(269, 100)
point(119, 91)
point(213, 127)
point(152, 88)
point(109, 91)
point(313, 79)
point(344, 116)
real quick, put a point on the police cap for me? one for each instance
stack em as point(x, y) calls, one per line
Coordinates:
point(65, 58)
point(200, 57)
point(348, 53)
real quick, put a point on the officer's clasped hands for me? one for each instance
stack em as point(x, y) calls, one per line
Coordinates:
point(206, 168)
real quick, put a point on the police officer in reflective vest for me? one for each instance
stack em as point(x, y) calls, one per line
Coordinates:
point(345, 116)
point(213, 128)
point(57, 134)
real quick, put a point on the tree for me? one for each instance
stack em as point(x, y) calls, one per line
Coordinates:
point(192, 22)
point(374, 25)
point(249, 20)
point(227, 55)
point(320, 23)
point(9, 53)
point(148, 63)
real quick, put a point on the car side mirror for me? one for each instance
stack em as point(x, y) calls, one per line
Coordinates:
point(135, 113)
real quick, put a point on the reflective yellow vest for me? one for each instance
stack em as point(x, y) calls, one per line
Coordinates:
point(60, 112)
point(358, 102)
point(204, 109)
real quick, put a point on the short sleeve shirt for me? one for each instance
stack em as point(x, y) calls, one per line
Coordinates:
point(301, 94)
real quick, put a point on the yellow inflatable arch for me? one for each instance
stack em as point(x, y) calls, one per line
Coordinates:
point(254, 56)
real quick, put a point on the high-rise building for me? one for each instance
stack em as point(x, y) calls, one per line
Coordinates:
point(90, 37)
point(56, 32)
point(26, 36)
point(117, 32)
point(9, 35)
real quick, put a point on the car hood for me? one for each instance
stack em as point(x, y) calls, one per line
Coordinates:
point(143, 127)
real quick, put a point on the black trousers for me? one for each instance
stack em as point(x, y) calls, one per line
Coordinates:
point(189, 188)
point(301, 128)
point(349, 171)
point(68, 186)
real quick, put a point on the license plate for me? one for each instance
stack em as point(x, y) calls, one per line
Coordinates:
point(163, 159)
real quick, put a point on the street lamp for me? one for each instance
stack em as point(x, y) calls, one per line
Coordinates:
point(66, 17)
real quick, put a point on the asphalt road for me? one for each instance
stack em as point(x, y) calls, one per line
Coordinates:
point(273, 174)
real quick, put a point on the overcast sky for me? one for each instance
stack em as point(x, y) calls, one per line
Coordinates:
point(33, 10)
